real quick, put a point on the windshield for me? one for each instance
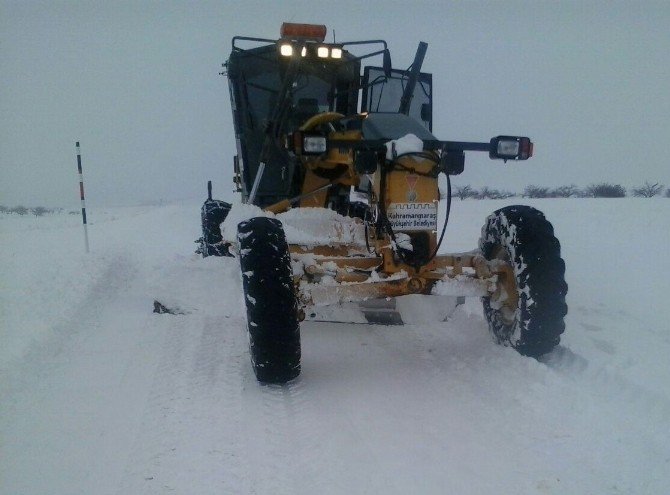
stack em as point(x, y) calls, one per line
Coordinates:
point(256, 78)
point(309, 95)
point(383, 94)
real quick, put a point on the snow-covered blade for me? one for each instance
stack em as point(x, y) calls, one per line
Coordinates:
point(381, 311)
point(303, 226)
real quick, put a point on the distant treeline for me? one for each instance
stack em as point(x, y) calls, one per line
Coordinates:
point(36, 210)
point(603, 190)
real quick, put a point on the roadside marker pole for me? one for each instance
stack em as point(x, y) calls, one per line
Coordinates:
point(81, 194)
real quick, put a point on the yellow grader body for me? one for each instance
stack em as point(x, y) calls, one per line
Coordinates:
point(410, 191)
point(354, 154)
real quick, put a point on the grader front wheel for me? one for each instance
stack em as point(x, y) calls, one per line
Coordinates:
point(272, 309)
point(527, 310)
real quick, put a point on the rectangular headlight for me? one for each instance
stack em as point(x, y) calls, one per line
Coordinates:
point(322, 52)
point(508, 148)
point(314, 144)
point(336, 53)
point(286, 50)
point(511, 148)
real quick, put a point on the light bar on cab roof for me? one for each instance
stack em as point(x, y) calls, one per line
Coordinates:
point(316, 32)
point(322, 52)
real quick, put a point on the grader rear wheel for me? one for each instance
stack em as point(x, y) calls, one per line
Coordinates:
point(527, 310)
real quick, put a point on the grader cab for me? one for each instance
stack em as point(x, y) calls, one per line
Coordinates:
point(347, 150)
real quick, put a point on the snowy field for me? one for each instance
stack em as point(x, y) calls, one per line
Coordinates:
point(98, 395)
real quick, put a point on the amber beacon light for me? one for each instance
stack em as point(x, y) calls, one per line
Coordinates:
point(316, 32)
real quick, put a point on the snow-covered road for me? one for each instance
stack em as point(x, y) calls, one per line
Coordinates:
point(98, 395)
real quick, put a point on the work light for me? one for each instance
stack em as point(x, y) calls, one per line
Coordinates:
point(314, 144)
point(511, 148)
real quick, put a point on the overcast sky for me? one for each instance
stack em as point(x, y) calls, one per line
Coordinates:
point(137, 83)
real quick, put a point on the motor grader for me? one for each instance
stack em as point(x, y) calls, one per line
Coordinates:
point(349, 150)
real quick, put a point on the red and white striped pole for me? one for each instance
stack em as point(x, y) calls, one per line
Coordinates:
point(81, 193)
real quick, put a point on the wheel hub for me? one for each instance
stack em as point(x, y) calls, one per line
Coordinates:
point(506, 295)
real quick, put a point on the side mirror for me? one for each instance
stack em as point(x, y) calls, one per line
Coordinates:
point(425, 113)
point(510, 148)
point(386, 63)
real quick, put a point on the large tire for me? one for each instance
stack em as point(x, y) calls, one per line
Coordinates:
point(522, 237)
point(272, 309)
point(212, 215)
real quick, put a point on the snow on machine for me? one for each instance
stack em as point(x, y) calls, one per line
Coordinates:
point(338, 173)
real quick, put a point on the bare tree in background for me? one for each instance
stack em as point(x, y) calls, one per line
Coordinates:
point(647, 190)
point(465, 192)
point(565, 191)
point(536, 192)
point(606, 190)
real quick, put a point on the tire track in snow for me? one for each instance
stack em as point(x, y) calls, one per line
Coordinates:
point(76, 392)
point(609, 383)
point(286, 436)
point(559, 391)
point(281, 434)
point(193, 419)
point(557, 366)
point(270, 447)
point(75, 330)
point(306, 428)
point(116, 276)
point(638, 417)
point(206, 408)
point(156, 436)
point(220, 361)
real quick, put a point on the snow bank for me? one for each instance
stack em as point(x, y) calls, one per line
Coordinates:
point(305, 226)
point(119, 400)
point(47, 280)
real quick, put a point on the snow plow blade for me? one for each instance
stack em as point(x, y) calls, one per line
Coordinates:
point(410, 310)
point(381, 311)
